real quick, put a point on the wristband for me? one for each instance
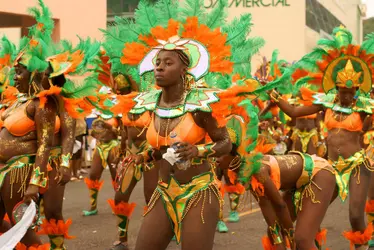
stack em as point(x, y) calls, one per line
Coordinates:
point(65, 160)
point(147, 155)
point(274, 96)
point(38, 179)
point(205, 150)
point(275, 232)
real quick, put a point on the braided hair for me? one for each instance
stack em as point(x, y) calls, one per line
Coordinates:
point(183, 57)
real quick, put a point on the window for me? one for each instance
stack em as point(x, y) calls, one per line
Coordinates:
point(117, 7)
point(325, 35)
point(122, 8)
point(319, 18)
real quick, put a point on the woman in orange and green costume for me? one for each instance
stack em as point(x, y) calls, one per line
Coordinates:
point(344, 71)
point(308, 189)
point(35, 124)
point(182, 115)
point(307, 181)
point(132, 129)
point(308, 135)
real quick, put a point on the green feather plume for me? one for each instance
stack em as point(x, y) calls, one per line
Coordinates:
point(242, 55)
point(145, 16)
point(252, 160)
point(191, 8)
point(217, 17)
point(238, 30)
point(165, 10)
point(342, 36)
point(75, 90)
point(368, 44)
point(7, 48)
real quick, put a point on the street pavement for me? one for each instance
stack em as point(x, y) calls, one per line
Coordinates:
point(99, 232)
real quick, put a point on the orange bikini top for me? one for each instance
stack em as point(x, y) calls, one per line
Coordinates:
point(351, 123)
point(19, 124)
point(185, 131)
point(141, 122)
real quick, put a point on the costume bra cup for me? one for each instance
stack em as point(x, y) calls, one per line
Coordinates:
point(19, 124)
point(186, 131)
point(141, 122)
point(351, 123)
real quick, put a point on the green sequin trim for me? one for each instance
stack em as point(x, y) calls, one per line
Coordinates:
point(196, 100)
point(363, 104)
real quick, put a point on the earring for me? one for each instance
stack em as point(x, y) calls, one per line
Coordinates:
point(50, 82)
point(183, 79)
point(357, 94)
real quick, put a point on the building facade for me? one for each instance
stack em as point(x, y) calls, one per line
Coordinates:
point(72, 18)
point(291, 26)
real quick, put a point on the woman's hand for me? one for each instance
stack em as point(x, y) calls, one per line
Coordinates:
point(63, 175)
point(32, 193)
point(274, 96)
point(186, 151)
point(264, 125)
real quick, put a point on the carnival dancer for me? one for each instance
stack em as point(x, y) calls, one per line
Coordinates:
point(133, 141)
point(297, 174)
point(307, 134)
point(344, 70)
point(182, 115)
point(105, 130)
point(310, 190)
point(33, 128)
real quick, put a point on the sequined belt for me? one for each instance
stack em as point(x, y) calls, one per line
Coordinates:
point(104, 150)
point(305, 137)
point(179, 198)
point(343, 170)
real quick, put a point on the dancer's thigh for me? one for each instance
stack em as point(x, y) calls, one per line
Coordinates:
point(53, 198)
point(96, 169)
point(311, 215)
point(150, 183)
point(155, 232)
point(197, 235)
